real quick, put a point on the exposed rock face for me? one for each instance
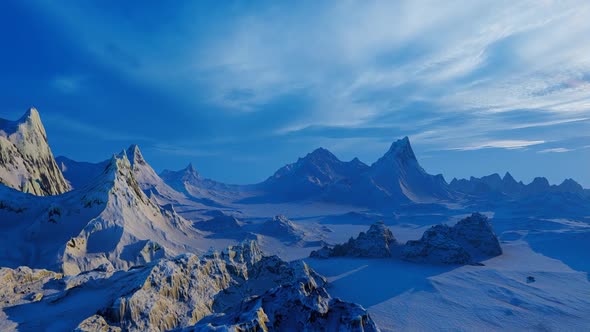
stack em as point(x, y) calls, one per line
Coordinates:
point(476, 234)
point(438, 246)
point(376, 242)
point(198, 293)
point(23, 285)
point(468, 241)
point(96, 323)
point(26, 161)
point(293, 307)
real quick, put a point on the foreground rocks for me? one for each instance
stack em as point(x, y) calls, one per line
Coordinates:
point(236, 289)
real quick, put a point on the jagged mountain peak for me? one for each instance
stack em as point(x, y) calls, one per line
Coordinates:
point(32, 113)
point(26, 161)
point(540, 182)
point(508, 177)
point(319, 156)
point(190, 172)
point(134, 155)
point(401, 149)
point(570, 185)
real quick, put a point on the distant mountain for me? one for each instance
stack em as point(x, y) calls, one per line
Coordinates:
point(26, 161)
point(149, 181)
point(312, 175)
point(80, 173)
point(397, 177)
point(189, 182)
point(507, 186)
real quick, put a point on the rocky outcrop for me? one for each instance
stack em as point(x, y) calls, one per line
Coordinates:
point(378, 241)
point(470, 240)
point(26, 161)
point(438, 246)
point(293, 307)
point(23, 285)
point(96, 323)
point(236, 289)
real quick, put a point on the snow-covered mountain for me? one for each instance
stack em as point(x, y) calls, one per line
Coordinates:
point(507, 186)
point(199, 188)
point(395, 178)
point(26, 161)
point(312, 175)
point(110, 222)
point(398, 176)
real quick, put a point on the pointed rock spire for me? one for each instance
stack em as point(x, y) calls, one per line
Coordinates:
point(401, 149)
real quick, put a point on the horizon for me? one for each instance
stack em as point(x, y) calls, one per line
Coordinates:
point(242, 89)
point(296, 159)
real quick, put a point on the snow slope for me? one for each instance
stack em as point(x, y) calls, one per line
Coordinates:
point(495, 297)
point(110, 221)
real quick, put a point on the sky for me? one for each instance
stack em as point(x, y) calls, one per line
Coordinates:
point(241, 88)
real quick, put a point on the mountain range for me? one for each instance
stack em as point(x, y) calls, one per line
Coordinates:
point(28, 165)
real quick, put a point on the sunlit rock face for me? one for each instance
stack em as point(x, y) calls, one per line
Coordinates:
point(26, 161)
point(237, 288)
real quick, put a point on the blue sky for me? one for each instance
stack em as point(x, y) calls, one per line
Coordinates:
point(241, 88)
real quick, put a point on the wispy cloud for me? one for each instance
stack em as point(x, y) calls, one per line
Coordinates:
point(502, 144)
point(357, 64)
point(555, 150)
point(67, 84)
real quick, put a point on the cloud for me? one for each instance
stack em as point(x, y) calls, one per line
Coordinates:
point(357, 63)
point(501, 144)
point(67, 84)
point(555, 150)
point(547, 123)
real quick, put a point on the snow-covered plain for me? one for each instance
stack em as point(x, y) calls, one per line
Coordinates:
point(124, 228)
